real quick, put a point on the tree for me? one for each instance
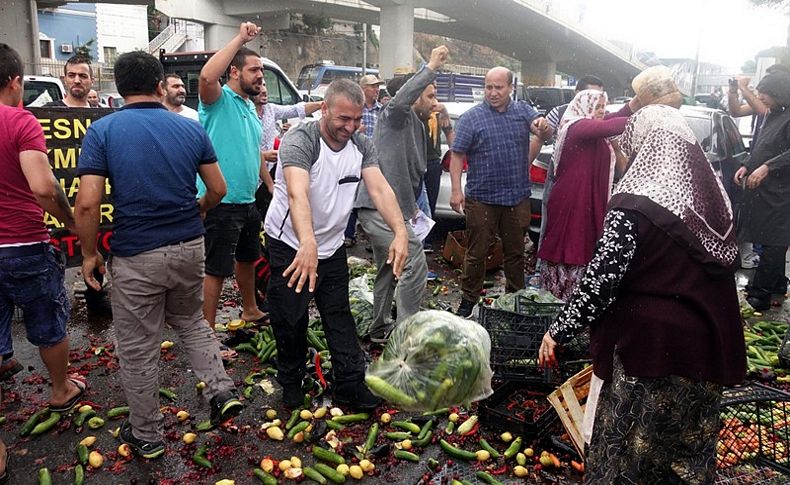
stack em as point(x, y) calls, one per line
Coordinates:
point(749, 67)
point(85, 50)
point(785, 4)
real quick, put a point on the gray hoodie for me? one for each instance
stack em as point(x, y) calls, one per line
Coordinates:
point(400, 141)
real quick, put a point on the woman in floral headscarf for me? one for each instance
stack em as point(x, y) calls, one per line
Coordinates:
point(660, 301)
point(584, 166)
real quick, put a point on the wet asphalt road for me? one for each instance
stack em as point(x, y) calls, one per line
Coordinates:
point(233, 452)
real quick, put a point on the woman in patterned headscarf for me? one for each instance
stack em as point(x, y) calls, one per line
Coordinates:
point(660, 300)
point(584, 165)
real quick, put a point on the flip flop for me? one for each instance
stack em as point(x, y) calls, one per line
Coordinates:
point(68, 405)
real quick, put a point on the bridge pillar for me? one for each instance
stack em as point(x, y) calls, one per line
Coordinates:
point(396, 52)
point(19, 29)
point(538, 73)
point(216, 36)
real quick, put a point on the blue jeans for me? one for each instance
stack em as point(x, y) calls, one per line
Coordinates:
point(31, 278)
point(422, 201)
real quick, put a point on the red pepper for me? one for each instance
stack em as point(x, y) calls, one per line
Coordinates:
point(499, 471)
point(473, 430)
point(318, 372)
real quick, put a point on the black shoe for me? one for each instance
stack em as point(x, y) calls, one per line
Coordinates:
point(146, 449)
point(356, 396)
point(293, 396)
point(465, 308)
point(224, 406)
point(758, 304)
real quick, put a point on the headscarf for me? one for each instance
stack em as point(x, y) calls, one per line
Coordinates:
point(776, 85)
point(581, 107)
point(668, 167)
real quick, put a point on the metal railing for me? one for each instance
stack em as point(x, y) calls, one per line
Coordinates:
point(161, 38)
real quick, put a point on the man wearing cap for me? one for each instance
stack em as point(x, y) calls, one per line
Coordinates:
point(370, 113)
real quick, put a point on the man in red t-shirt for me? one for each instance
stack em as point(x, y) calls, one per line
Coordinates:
point(31, 273)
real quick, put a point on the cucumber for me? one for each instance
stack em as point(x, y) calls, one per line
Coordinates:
point(333, 475)
point(327, 455)
point(264, 477)
point(118, 412)
point(490, 449)
point(79, 475)
point(457, 452)
point(384, 389)
point(82, 454)
point(407, 455)
point(33, 421)
point(313, 475)
point(199, 458)
point(81, 417)
point(298, 428)
point(43, 477)
point(511, 450)
point(334, 425)
point(45, 426)
point(351, 418)
point(397, 435)
point(487, 478)
point(406, 426)
point(425, 429)
point(373, 434)
point(424, 441)
point(167, 393)
point(293, 419)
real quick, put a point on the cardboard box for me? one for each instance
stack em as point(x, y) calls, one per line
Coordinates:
point(455, 250)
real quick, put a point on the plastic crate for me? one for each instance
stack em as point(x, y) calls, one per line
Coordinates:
point(515, 341)
point(494, 411)
point(577, 349)
point(755, 428)
point(753, 475)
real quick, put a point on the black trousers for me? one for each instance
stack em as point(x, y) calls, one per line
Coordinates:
point(769, 277)
point(433, 179)
point(288, 312)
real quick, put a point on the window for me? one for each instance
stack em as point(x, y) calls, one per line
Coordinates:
point(110, 55)
point(279, 91)
point(45, 49)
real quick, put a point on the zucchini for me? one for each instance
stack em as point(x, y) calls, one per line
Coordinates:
point(264, 477)
point(373, 434)
point(313, 475)
point(406, 426)
point(33, 421)
point(389, 392)
point(45, 426)
point(118, 412)
point(490, 449)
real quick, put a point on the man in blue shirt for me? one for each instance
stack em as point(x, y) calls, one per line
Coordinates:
point(151, 158)
point(494, 138)
point(228, 115)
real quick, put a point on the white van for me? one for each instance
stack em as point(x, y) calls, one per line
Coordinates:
point(40, 90)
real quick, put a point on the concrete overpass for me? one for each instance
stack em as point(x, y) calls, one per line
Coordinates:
point(519, 28)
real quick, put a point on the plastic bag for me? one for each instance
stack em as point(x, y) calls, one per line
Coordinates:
point(507, 301)
point(360, 298)
point(433, 359)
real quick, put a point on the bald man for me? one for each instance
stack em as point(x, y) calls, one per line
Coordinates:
point(494, 138)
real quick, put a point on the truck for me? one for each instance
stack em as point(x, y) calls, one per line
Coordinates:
point(188, 65)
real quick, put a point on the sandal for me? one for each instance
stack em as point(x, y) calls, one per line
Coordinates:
point(4, 475)
point(68, 405)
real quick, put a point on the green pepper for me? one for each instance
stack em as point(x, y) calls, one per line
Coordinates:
point(45, 426)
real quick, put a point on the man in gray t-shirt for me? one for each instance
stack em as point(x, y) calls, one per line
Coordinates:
point(321, 164)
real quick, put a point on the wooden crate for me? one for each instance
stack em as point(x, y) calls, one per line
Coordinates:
point(569, 401)
point(455, 249)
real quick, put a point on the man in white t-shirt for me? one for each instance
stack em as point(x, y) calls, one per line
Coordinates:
point(176, 95)
point(321, 164)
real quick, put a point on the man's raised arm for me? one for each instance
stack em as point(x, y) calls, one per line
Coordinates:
point(209, 88)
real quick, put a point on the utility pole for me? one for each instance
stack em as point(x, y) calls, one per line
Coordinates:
point(364, 48)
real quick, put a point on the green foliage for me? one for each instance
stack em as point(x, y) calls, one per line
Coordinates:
point(85, 50)
point(316, 23)
point(749, 67)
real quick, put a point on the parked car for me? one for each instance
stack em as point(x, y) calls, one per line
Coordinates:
point(111, 100)
point(40, 90)
point(443, 209)
point(546, 98)
point(716, 131)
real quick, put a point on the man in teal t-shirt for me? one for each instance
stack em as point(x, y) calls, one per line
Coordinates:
point(229, 117)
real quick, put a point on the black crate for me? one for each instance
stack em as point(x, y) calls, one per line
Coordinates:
point(522, 422)
point(515, 341)
point(755, 427)
point(525, 306)
point(576, 349)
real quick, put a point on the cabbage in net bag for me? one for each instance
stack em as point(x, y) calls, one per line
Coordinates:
point(432, 360)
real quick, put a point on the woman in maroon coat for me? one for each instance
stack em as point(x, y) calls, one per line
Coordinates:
point(584, 166)
point(660, 301)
